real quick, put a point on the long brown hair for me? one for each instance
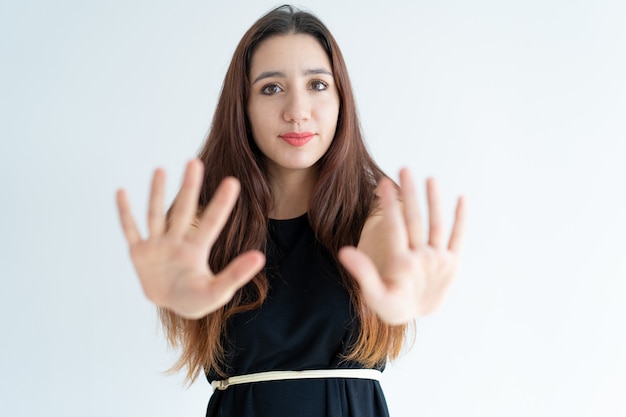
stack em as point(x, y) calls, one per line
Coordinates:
point(341, 201)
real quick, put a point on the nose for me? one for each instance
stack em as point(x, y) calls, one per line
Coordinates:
point(297, 107)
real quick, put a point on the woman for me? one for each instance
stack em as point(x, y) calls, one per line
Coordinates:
point(315, 263)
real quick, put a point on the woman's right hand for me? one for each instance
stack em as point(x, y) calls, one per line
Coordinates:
point(172, 262)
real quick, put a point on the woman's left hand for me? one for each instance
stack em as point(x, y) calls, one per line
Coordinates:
point(401, 275)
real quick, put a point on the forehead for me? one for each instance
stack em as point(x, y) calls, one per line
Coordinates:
point(291, 51)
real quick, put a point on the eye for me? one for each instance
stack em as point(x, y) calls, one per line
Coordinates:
point(318, 85)
point(271, 89)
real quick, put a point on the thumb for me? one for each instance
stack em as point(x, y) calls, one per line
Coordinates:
point(236, 274)
point(361, 267)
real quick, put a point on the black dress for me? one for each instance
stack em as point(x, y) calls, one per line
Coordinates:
point(306, 322)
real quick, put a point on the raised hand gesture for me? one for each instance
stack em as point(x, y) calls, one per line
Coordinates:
point(401, 274)
point(172, 262)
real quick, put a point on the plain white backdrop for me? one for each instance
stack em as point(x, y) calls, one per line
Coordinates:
point(520, 106)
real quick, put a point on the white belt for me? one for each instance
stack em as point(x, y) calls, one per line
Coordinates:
point(308, 374)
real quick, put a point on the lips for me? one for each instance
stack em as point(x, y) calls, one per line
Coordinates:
point(297, 138)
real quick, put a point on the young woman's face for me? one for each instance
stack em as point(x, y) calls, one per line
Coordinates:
point(294, 103)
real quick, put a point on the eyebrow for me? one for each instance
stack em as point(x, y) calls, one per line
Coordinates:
point(280, 74)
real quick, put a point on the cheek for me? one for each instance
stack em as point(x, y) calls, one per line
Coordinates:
point(331, 116)
point(256, 121)
point(261, 115)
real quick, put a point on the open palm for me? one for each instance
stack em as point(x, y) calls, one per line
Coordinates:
point(401, 274)
point(172, 262)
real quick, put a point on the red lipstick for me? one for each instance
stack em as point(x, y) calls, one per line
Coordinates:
point(297, 138)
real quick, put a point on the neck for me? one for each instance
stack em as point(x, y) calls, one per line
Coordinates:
point(291, 191)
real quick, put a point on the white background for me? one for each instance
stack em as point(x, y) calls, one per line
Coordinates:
point(520, 106)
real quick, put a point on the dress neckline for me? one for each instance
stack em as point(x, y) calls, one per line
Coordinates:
point(285, 233)
point(294, 219)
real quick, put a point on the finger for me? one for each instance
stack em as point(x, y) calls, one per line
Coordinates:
point(434, 214)
point(411, 209)
point(361, 267)
point(156, 215)
point(217, 212)
point(392, 214)
point(236, 274)
point(186, 202)
point(458, 229)
point(129, 227)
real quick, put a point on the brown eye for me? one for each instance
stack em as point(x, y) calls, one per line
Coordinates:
point(318, 85)
point(271, 89)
